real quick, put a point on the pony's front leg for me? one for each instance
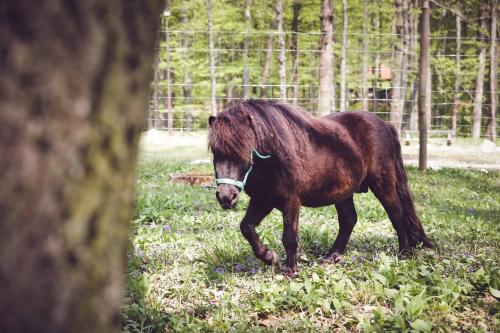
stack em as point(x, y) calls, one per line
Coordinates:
point(290, 229)
point(256, 212)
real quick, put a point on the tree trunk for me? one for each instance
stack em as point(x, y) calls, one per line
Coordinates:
point(364, 70)
point(428, 94)
point(170, 111)
point(186, 87)
point(424, 73)
point(156, 121)
point(246, 74)
point(478, 96)
point(268, 61)
point(213, 100)
point(396, 96)
point(343, 60)
point(325, 58)
point(281, 47)
point(413, 64)
point(72, 105)
point(406, 57)
point(458, 76)
point(295, 56)
point(413, 125)
point(493, 72)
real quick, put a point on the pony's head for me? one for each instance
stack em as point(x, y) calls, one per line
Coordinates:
point(231, 140)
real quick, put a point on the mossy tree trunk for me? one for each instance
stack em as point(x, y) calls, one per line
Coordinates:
point(73, 91)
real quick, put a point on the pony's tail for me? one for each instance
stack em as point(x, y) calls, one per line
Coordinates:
point(414, 227)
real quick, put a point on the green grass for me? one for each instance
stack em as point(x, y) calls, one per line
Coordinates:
point(190, 270)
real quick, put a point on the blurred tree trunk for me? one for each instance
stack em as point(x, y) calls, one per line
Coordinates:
point(295, 54)
point(493, 72)
point(281, 47)
point(458, 75)
point(168, 75)
point(213, 100)
point(364, 70)
point(406, 39)
point(186, 87)
point(423, 84)
point(478, 96)
point(246, 74)
point(413, 65)
point(343, 60)
point(72, 105)
point(398, 59)
point(325, 58)
point(268, 61)
point(156, 121)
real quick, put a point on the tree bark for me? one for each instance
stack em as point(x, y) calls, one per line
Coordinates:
point(413, 65)
point(156, 121)
point(343, 60)
point(295, 53)
point(364, 70)
point(458, 76)
point(325, 58)
point(493, 72)
point(398, 58)
point(213, 100)
point(478, 96)
point(246, 74)
point(72, 105)
point(281, 47)
point(186, 87)
point(423, 101)
point(268, 60)
point(169, 106)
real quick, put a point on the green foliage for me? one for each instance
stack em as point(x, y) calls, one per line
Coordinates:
point(190, 270)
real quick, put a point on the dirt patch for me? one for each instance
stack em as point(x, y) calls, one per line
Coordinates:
point(203, 179)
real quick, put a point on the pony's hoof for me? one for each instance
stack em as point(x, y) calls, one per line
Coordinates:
point(290, 272)
point(272, 258)
point(333, 258)
point(405, 254)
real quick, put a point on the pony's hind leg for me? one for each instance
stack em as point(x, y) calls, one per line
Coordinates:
point(256, 212)
point(347, 221)
point(386, 193)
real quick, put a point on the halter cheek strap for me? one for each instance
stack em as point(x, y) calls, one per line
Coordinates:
point(241, 184)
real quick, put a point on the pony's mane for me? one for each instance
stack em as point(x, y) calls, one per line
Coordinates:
point(270, 127)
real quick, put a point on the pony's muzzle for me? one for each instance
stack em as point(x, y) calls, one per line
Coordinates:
point(227, 195)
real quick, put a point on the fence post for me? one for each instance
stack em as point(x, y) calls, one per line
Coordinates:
point(423, 102)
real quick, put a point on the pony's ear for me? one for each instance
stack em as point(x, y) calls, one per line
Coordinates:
point(211, 120)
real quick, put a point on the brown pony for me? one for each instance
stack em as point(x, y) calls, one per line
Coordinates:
point(285, 158)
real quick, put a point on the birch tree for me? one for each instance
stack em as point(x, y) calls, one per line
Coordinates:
point(364, 69)
point(478, 96)
point(343, 60)
point(493, 71)
point(297, 5)
point(281, 47)
point(458, 77)
point(213, 101)
point(246, 74)
point(325, 60)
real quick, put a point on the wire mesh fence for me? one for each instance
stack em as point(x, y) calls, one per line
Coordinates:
point(378, 76)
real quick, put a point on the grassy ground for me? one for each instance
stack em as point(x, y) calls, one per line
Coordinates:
point(190, 270)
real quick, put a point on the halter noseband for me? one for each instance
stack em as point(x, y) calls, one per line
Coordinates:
point(237, 183)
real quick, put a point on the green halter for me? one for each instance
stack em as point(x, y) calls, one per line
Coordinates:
point(237, 183)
